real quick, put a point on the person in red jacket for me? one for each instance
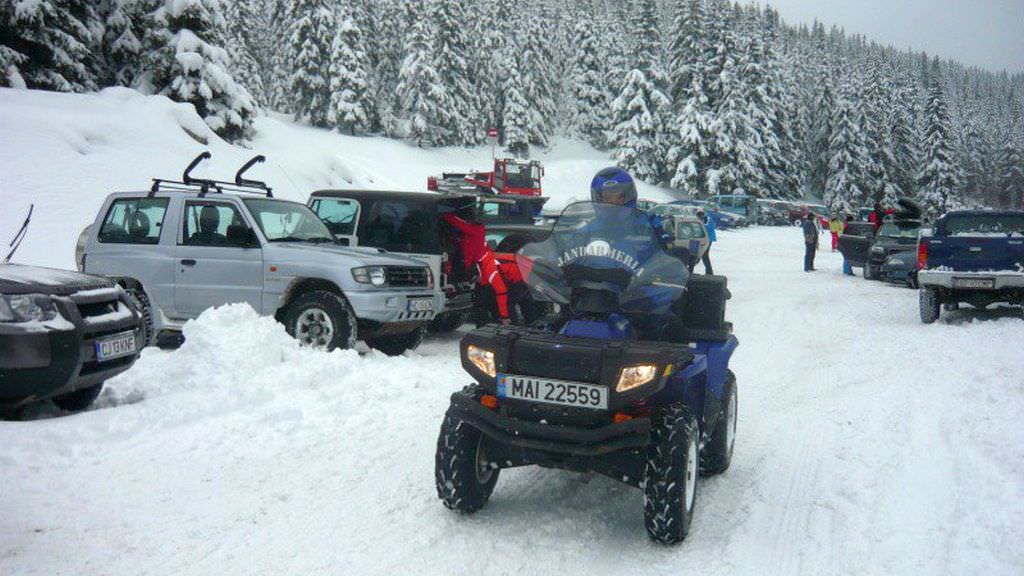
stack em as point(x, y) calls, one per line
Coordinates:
point(475, 252)
point(877, 216)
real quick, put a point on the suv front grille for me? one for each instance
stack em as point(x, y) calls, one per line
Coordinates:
point(408, 276)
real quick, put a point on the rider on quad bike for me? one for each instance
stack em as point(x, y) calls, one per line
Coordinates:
point(603, 387)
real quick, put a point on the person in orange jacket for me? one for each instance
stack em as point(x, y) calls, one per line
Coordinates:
point(475, 252)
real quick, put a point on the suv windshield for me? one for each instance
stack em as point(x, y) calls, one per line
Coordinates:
point(283, 221)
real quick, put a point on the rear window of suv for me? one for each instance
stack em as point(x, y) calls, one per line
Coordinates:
point(985, 225)
point(134, 221)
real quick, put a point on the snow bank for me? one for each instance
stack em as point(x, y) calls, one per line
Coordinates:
point(66, 152)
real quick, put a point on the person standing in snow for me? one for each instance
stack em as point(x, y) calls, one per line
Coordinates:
point(476, 252)
point(877, 216)
point(709, 223)
point(835, 226)
point(810, 242)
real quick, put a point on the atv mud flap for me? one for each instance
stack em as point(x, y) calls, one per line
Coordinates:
point(615, 450)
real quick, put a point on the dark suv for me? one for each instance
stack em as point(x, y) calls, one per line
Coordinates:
point(62, 334)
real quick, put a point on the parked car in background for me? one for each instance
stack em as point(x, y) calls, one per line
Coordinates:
point(773, 212)
point(723, 220)
point(182, 247)
point(742, 205)
point(974, 257)
point(900, 268)
point(408, 224)
point(645, 205)
point(689, 232)
point(62, 335)
point(855, 243)
point(892, 237)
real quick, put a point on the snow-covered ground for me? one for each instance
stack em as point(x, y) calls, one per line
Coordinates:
point(868, 443)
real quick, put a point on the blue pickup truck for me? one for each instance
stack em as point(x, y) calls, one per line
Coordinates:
point(971, 256)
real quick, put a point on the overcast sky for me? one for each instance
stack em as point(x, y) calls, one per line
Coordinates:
point(985, 33)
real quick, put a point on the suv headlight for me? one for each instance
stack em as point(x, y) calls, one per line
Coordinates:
point(482, 359)
point(26, 308)
point(634, 376)
point(370, 275)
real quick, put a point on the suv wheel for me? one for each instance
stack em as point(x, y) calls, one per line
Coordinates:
point(138, 297)
point(321, 319)
point(671, 475)
point(929, 304)
point(79, 399)
point(396, 344)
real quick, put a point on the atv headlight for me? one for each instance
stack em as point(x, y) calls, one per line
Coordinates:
point(482, 359)
point(26, 308)
point(370, 275)
point(633, 376)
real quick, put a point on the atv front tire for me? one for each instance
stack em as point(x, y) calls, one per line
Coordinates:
point(396, 344)
point(717, 453)
point(671, 474)
point(929, 304)
point(462, 474)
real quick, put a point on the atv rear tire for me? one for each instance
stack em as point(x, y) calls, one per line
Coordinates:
point(671, 475)
point(79, 399)
point(717, 453)
point(321, 319)
point(396, 344)
point(464, 478)
point(929, 304)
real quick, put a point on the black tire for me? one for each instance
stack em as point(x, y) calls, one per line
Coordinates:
point(321, 319)
point(929, 303)
point(447, 322)
point(463, 479)
point(79, 399)
point(396, 344)
point(717, 453)
point(137, 296)
point(671, 476)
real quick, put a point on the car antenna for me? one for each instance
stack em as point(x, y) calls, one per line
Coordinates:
point(16, 241)
point(243, 182)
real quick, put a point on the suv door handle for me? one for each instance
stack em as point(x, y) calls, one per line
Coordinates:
point(188, 262)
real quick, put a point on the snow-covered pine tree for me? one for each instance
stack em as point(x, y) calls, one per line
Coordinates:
point(455, 70)
point(245, 28)
point(640, 132)
point(185, 61)
point(312, 33)
point(1010, 171)
point(494, 27)
point(349, 74)
point(122, 41)
point(539, 80)
point(847, 158)
point(277, 45)
point(387, 16)
point(937, 179)
point(590, 112)
point(419, 86)
point(515, 109)
point(48, 45)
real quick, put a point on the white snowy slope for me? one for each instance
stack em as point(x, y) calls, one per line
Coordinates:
point(66, 152)
point(868, 443)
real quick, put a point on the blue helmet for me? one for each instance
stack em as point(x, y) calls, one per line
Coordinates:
point(613, 185)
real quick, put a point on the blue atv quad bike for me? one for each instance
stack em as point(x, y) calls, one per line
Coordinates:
point(630, 379)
